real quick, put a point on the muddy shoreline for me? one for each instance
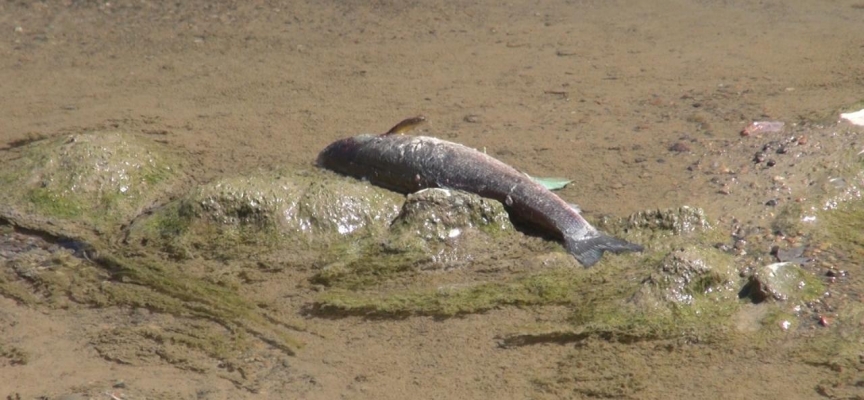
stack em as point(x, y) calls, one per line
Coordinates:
point(641, 105)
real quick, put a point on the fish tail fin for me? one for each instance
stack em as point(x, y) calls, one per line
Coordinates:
point(589, 249)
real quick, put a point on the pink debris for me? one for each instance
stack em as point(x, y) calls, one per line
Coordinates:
point(763, 127)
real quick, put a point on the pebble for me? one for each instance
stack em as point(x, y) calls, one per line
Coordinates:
point(836, 273)
point(680, 147)
point(763, 127)
point(824, 321)
point(472, 118)
point(759, 157)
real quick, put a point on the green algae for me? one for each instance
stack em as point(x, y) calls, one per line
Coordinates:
point(450, 300)
point(844, 230)
point(78, 191)
point(436, 229)
point(435, 214)
point(656, 295)
point(14, 355)
point(839, 349)
point(783, 282)
point(99, 180)
point(366, 263)
point(238, 217)
point(601, 301)
point(788, 220)
point(53, 204)
point(117, 280)
point(156, 286)
point(175, 344)
point(356, 269)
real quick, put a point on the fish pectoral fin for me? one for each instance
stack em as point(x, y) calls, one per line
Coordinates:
point(550, 183)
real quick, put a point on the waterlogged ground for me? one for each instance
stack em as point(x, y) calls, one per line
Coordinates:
point(164, 234)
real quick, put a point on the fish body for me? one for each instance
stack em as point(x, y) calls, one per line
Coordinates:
point(408, 164)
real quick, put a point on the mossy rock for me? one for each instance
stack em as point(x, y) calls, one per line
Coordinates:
point(268, 211)
point(96, 180)
point(436, 229)
point(686, 274)
point(451, 227)
point(783, 281)
point(442, 214)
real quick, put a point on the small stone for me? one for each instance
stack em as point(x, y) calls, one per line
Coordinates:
point(833, 273)
point(759, 157)
point(824, 321)
point(472, 118)
point(780, 281)
point(680, 147)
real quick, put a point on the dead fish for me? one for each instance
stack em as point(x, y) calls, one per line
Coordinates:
point(407, 164)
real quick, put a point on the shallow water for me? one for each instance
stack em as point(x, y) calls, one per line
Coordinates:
point(640, 104)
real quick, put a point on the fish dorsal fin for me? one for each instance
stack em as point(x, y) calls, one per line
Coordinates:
point(405, 126)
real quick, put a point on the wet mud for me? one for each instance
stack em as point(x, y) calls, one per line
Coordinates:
point(165, 234)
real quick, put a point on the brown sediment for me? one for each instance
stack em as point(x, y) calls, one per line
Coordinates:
point(242, 86)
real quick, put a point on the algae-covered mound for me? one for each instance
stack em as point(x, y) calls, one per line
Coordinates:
point(659, 229)
point(451, 226)
point(603, 298)
point(55, 193)
point(441, 214)
point(321, 218)
point(683, 275)
point(297, 211)
point(436, 229)
point(96, 180)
